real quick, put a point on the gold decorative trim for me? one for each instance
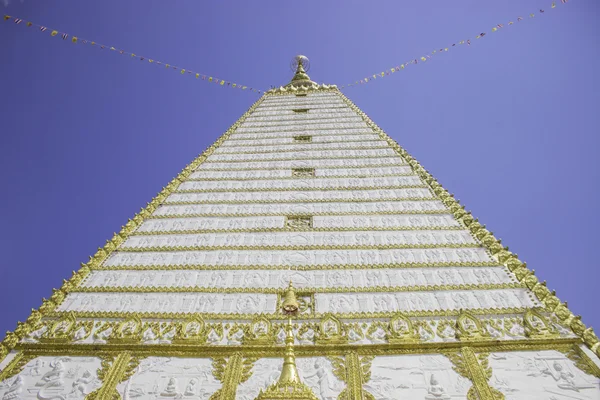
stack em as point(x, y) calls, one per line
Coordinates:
point(298, 268)
point(292, 143)
point(229, 316)
point(324, 214)
point(231, 372)
point(276, 151)
point(306, 189)
point(16, 365)
point(267, 201)
point(344, 229)
point(475, 368)
point(352, 289)
point(250, 168)
point(213, 160)
point(304, 247)
point(582, 361)
point(295, 178)
point(501, 253)
point(263, 351)
point(365, 132)
point(114, 370)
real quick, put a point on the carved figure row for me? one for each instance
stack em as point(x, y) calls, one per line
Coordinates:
point(291, 119)
point(409, 277)
point(355, 132)
point(311, 127)
point(299, 183)
point(298, 257)
point(300, 196)
point(287, 173)
point(261, 330)
point(297, 239)
point(233, 142)
point(319, 221)
point(247, 148)
point(386, 152)
point(255, 303)
point(314, 163)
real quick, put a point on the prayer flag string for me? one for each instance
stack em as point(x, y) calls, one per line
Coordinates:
point(427, 57)
point(79, 40)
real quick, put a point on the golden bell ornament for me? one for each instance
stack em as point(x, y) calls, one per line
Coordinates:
point(290, 303)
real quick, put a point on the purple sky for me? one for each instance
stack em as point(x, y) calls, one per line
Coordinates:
point(508, 124)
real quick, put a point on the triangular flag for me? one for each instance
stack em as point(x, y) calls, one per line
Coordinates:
point(74, 39)
point(197, 76)
point(182, 71)
point(54, 33)
point(7, 17)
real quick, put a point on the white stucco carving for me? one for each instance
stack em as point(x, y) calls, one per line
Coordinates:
point(233, 142)
point(287, 173)
point(171, 378)
point(206, 223)
point(300, 147)
point(304, 127)
point(250, 303)
point(429, 377)
point(300, 183)
point(303, 154)
point(50, 378)
point(322, 116)
point(296, 239)
point(540, 376)
point(303, 196)
point(316, 163)
point(302, 208)
point(418, 301)
point(409, 277)
point(297, 257)
point(354, 132)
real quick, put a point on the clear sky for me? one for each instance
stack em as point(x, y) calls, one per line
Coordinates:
point(509, 124)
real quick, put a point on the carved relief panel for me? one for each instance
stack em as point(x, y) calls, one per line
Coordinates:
point(298, 257)
point(540, 376)
point(428, 377)
point(301, 196)
point(171, 378)
point(310, 279)
point(325, 162)
point(47, 378)
point(310, 238)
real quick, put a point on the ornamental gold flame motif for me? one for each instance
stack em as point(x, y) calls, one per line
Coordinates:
point(398, 291)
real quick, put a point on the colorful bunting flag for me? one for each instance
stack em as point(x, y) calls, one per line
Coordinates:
point(182, 71)
point(444, 49)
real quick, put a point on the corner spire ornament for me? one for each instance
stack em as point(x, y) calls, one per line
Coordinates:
point(288, 386)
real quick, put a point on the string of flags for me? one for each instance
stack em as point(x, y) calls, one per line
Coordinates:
point(78, 40)
point(444, 49)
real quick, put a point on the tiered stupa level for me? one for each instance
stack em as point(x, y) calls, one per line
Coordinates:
point(400, 292)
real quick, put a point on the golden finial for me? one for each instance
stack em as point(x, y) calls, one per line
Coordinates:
point(288, 386)
point(300, 64)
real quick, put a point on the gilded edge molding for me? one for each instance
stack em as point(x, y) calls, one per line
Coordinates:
point(475, 367)
point(58, 295)
point(501, 253)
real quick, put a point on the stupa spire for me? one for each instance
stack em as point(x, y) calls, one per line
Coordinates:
point(301, 64)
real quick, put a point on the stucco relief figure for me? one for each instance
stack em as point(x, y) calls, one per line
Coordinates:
point(435, 391)
point(171, 389)
point(564, 379)
point(325, 381)
point(14, 391)
point(192, 388)
point(54, 376)
point(79, 386)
